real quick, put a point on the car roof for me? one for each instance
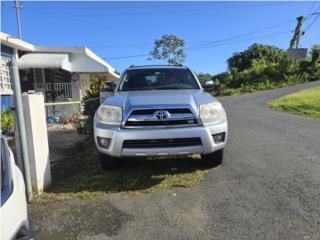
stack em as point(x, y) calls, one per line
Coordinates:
point(156, 66)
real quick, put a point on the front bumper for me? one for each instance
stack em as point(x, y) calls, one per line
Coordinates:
point(119, 135)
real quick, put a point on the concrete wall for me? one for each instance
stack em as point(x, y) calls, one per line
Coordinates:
point(37, 140)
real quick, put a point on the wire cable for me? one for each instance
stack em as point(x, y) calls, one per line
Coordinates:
point(194, 49)
point(317, 15)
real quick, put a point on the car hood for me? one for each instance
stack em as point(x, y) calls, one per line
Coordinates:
point(159, 99)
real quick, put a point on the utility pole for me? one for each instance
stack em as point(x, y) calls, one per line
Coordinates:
point(18, 18)
point(297, 33)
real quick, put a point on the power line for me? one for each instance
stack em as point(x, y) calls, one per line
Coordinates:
point(154, 13)
point(208, 43)
point(246, 34)
point(132, 56)
point(317, 15)
point(311, 7)
point(242, 35)
point(107, 7)
point(145, 45)
point(242, 40)
point(217, 45)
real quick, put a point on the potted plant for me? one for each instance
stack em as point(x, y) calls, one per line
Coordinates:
point(79, 124)
point(7, 121)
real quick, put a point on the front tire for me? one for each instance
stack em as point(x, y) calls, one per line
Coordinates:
point(213, 159)
point(108, 162)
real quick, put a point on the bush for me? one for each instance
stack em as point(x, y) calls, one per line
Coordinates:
point(230, 92)
point(93, 92)
point(92, 101)
point(262, 67)
point(7, 120)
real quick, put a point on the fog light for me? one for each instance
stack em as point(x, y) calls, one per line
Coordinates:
point(220, 137)
point(104, 142)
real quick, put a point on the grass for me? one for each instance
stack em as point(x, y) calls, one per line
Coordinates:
point(260, 86)
point(79, 175)
point(305, 102)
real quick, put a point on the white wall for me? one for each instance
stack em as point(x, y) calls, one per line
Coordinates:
point(37, 140)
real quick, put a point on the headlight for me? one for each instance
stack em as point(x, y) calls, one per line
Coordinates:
point(211, 112)
point(107, 113)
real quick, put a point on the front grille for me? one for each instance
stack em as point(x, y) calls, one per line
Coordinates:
point(178, 117)
point(162, 143)
point(151, 111)
point(160, 123)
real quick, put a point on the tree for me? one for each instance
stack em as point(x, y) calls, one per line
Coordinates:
point(315, 53)
point(204, 76)
point(169, 48)
point(256, 52)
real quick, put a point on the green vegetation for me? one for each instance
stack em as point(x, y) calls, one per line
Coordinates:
point(7, 121)
point(79, 175)
point(263, 67)
point(91, 101)
point(169, 48)
point(93, 92)
point(305, 102)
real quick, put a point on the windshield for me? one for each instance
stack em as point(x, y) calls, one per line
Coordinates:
point(158, 79)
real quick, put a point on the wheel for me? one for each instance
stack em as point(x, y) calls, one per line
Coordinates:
point(109, 162)
point(213, 159)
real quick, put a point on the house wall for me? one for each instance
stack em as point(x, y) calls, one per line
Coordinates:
point(80, 62)
point(5, 77)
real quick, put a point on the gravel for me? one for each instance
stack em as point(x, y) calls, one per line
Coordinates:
point(267, 188)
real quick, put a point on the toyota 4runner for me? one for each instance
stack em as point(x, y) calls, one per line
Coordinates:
point(160, 111)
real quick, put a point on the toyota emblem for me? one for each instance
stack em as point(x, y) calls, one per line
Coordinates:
point(161, 114)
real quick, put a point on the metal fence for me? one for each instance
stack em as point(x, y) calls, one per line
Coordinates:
point(66, 126)
point(63, 89)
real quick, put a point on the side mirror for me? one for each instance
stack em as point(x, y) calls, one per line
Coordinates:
point(208, 85)
point(110, 86)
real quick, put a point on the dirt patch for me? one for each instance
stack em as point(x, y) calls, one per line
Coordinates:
point(77, 219)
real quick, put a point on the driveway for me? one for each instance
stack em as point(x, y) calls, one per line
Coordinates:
point(267, 188)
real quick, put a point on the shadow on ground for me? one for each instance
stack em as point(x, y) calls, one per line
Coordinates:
point(79, 173)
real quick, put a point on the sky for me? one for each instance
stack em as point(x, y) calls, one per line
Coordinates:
point(117, 31)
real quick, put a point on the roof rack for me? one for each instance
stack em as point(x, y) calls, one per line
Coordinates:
point(156, 65)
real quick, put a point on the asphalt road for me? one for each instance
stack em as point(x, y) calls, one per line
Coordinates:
point(267, 188)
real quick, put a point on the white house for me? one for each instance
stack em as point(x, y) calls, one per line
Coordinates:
point(59, 72)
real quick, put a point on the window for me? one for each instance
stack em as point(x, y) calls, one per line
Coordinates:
point(5, 77)
point(158, 79)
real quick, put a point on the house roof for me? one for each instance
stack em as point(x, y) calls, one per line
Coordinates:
point(13, 42)
point(44, 60)
point(81, 59)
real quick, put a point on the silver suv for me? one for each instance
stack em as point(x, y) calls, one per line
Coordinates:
point(160, 111)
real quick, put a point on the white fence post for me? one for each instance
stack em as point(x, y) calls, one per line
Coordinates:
point(37, 140)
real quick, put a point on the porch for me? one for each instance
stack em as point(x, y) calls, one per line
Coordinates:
point(60, 89)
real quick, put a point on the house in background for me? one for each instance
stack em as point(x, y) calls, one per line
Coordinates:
point(60, 73)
